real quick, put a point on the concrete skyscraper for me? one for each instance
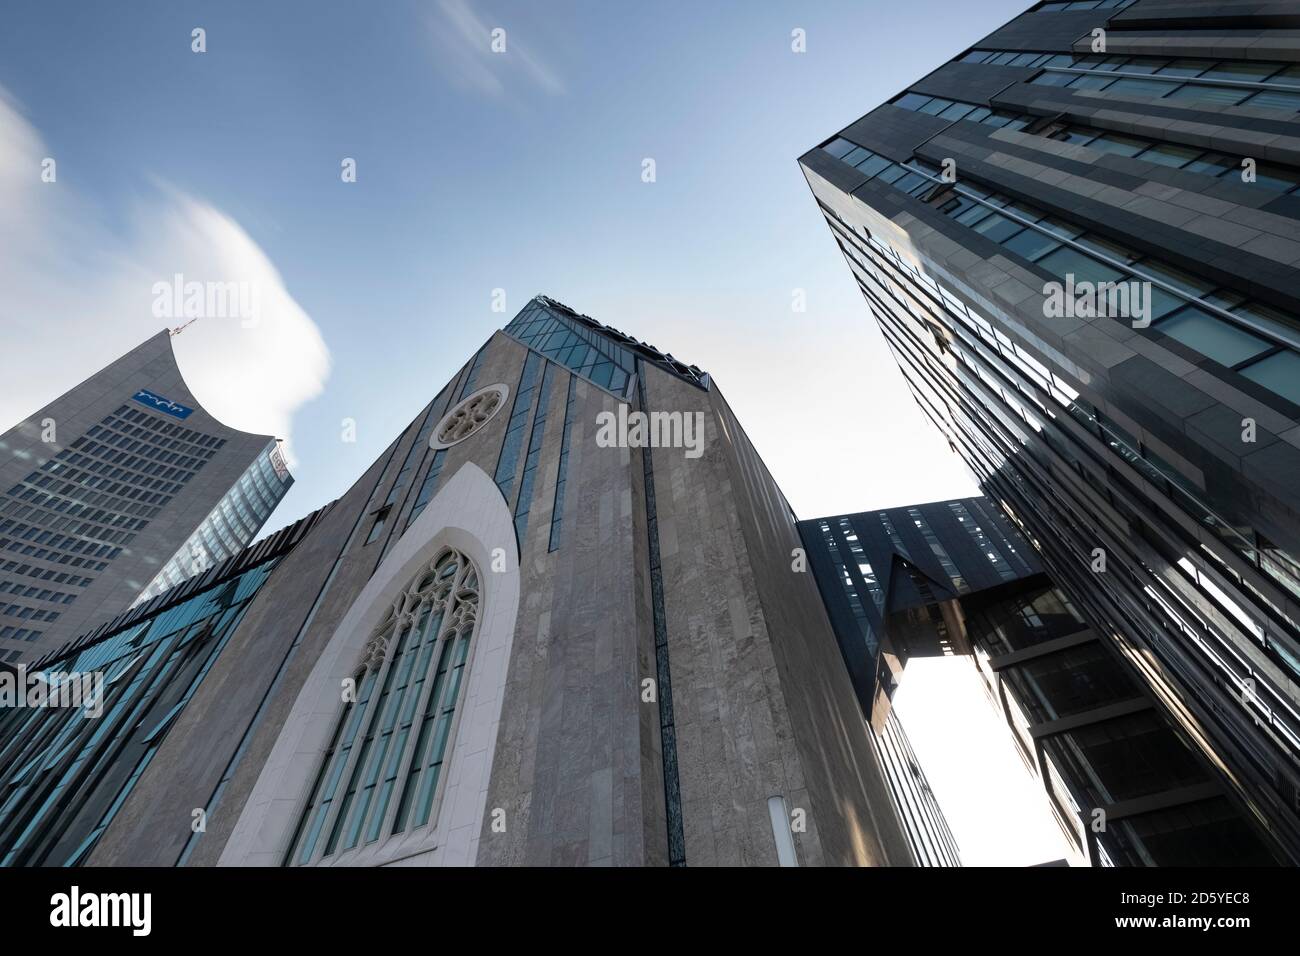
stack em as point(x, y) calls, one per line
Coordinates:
point(122, 486)
point(1081, 241)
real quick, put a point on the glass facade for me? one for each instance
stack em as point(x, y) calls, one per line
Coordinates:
point(534, 456)
point(557, 511)
point(1076, 711)
point(578, 349)
point(517, 427)
point(1219, 323)
point(64, 773)
point(231, 525)
point(931, 839)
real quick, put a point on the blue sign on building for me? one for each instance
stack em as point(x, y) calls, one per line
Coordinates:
point(160, 404)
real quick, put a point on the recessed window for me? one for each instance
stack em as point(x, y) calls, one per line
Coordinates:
point(1067, 261)
point(911, 101)
point(381, 772)
point(1275, 101)
point(1168, 154)
point(1225, 96)
point(1090, 82)
point(1185, 67)
point(1031, 244)
point(1237, 70)
point(381, 518)
point(839, 147)
point(998, 227)
point(1211, 336)
point(856, 155)
point(1278, 373)
point(872, 165)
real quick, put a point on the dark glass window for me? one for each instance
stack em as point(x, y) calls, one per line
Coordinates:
point(1205, 833)
point(1124, 758)
point(1070, 682)
point(150, 670)
point(562, 471)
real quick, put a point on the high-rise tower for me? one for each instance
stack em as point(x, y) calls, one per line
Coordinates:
point(122, 486)
point(1081, 241)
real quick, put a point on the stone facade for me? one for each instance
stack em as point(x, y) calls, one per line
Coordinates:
point(573, 766)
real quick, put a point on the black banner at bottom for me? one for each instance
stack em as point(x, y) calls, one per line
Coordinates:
point(342, 906)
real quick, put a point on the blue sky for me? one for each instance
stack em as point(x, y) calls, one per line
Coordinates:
point(519, 171)
point(475, 171)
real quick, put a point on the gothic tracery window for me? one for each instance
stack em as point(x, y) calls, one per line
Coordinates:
point(392, 739)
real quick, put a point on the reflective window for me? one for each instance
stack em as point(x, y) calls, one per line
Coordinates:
point(513, 444)
point(593, 356)
point(64, 774)
point(1205, 833)
point(534, 456)
point(1211, 336)
point(1070, 682)
point(1279, 373)
point(1124, 758)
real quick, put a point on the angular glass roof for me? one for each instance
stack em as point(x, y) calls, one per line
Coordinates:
point(600, 354)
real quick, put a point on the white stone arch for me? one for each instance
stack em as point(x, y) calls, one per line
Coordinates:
point(468, 515)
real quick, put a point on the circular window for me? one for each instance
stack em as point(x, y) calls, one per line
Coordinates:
point(469, 416)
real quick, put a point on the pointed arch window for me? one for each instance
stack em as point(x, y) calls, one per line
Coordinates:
point(392, 738)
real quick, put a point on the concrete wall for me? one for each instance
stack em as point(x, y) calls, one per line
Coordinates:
point(763, 703)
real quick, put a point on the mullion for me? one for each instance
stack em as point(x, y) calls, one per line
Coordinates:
point(401, 756)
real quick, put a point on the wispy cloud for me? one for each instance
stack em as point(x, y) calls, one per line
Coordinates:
point(77, 294)
point(462, 46)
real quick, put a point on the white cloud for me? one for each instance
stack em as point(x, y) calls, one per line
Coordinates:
point(462, 48)
point(77, 295)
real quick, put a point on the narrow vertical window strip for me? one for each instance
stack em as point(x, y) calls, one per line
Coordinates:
point(534, 456)
point(667, 725)
point(514, 437)
point(557, 510)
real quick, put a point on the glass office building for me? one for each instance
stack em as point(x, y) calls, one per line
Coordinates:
point(1077, 239)
point(232, 524)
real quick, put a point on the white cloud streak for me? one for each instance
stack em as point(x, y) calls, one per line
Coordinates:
point(463, 53)
point(77, 295)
